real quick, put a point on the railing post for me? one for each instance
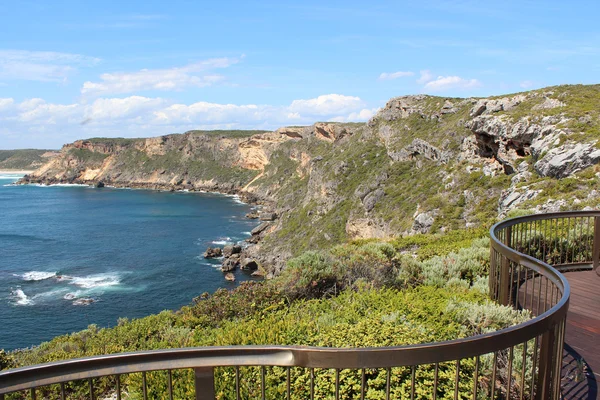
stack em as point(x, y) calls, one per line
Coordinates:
point(544, 379)
point(204, 378)
point(504, 268)
point(596, 246)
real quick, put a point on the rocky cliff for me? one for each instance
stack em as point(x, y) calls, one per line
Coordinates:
point(421, 164)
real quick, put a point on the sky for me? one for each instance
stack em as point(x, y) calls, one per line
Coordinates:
point(79, 69)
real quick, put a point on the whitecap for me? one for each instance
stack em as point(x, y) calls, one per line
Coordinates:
point(21, 298)
point(36, 275)
point(94, 281)
point(72, 295)
point(222, 242)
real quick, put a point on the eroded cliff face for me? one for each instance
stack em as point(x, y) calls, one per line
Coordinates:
point(421, 164)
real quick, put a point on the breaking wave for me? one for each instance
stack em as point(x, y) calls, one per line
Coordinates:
point(37, 275)
point(21, 298)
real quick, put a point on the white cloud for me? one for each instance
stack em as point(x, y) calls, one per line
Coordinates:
point(43, 66)
point(328, 104)
point(451, 82)
point(159, 79)
point(426, 76)
point(6, 104)
point(395, 75)
point(48, 124)
point(526, 84)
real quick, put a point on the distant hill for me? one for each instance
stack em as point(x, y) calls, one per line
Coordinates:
point(25, 159)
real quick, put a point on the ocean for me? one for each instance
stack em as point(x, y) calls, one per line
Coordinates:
point(71, 256)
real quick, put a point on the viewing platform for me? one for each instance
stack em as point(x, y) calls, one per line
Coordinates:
point(546, 264)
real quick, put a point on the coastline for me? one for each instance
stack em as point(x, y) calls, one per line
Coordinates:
point(16, 171)
point(249, 250)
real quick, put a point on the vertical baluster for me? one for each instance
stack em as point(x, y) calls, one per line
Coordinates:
point(526, 284)
point(546, 294)
point(574, 241)
point(288, 378)
point(388, 380)
point(494, 369)
point(237, 382)
point(63, 394)
point(262, 382)
point(534, 365)
point(32, 393)
point(204, 383)
point(456, 379)
point(144, 386)
point(363, 384)
point(170, 383)
point(435, 380)
point(509, 374)
point(312, 384)
point(337, 384)
point(476, 378)
point(413, 373)
point(118, 379)
point(523, 369)
point(91, 383)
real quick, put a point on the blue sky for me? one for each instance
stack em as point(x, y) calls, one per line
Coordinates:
point(77, 69)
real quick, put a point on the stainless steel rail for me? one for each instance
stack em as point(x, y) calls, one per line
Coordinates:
point(522, 361)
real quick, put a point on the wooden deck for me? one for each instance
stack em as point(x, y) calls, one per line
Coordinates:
point(581, 362)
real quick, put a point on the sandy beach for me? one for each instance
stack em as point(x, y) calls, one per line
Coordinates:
point(15, 171)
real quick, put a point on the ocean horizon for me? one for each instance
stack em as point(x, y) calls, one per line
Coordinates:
point(76, 255)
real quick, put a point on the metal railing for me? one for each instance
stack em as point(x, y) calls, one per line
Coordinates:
point(520, 362)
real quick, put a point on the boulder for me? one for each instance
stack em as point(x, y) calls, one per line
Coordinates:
point(565, 160)
point(259, 229)
point(423, 222)
point(372, 198)
point(231, 249)
point(213, 252)
point(230, 277)
point(231, 263)
point(252, 215)
point(268, 216)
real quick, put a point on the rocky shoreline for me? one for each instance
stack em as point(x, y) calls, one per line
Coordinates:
point(234, 256)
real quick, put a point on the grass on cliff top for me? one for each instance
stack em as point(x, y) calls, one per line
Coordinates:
point(235, 134)
point(114, 141)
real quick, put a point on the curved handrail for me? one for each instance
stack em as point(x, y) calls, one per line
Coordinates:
point(547, 326)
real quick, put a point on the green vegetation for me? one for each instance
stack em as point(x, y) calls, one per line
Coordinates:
point(228, 133)
point(26, 159)
point(360, 294)
point(114, 141)
point(91, 158)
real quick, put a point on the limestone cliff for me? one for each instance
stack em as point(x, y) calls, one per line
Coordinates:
point(421, 164)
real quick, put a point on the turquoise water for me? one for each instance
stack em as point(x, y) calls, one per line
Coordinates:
point(71, 256)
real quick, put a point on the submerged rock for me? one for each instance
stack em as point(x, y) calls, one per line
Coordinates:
point(230, 277)
point(213, 252)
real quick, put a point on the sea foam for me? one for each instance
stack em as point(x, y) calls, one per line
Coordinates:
point(21, 298)
point(92, 281)
point(37, 275)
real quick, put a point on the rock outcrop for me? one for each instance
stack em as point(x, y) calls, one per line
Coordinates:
point(565, 160)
